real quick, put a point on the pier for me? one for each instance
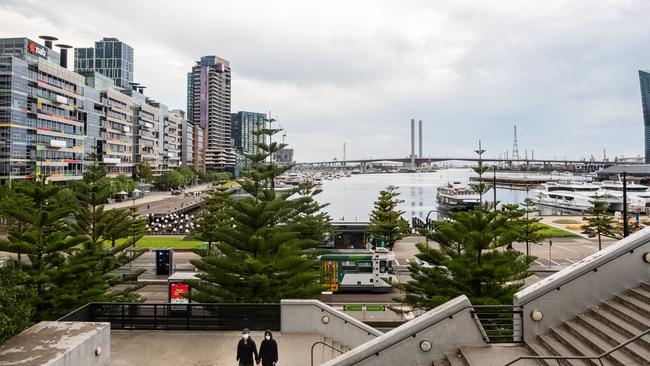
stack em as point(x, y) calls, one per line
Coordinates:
point(527, 182)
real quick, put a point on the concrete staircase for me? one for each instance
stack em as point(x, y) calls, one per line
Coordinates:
point(601, 328)
point(486, 356)
point(323, 354)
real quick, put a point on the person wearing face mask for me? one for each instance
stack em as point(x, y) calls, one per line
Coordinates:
point(268, 350)
point(246, 350)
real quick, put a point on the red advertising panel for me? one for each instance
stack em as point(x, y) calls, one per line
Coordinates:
point(176, 291)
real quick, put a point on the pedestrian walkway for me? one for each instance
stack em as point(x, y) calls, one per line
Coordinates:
point(163, 348)
point(154, 197)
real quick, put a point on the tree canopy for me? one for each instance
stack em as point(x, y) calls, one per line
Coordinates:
point(260, 251)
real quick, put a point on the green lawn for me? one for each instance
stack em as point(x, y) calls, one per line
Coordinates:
point(554, 232)
point(152, 242)
point(566, 222)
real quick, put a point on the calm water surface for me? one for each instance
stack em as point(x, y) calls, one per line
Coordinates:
point(352, 198)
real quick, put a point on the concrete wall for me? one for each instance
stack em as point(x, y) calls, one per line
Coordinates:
point(306, 316)
point(446, 327)
point(573, 290)
point(59, 344)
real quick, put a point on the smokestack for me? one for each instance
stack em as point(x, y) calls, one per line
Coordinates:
point(64, 55)
point(420, 135)
point(48, 40)
point(413, 142)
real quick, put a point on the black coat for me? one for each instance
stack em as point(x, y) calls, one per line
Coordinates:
point(247, 351)
point(269, 352)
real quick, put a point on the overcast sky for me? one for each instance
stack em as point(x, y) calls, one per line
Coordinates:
point(357, 71)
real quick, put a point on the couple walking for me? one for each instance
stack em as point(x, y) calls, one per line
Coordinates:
point(247, 354)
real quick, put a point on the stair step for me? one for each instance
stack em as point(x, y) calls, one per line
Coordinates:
point(636, 319)
point(597, 344)
point(538, 349)
point(639, 350)
point(576, 346)
point(634, 304)
point(609, 318)
point(640, 294)
point(455, 359)
point(559, 349)
point(645, 285)
point(442, 362)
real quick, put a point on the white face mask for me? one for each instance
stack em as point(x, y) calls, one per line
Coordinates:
point(245, 336)
point(268, 338)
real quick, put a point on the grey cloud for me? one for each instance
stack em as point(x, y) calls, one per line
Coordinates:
point(564, 71)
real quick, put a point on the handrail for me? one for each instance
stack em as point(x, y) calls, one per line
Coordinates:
point(324, 344)
point(586, 270)
point(597, 357)
point(412, 334)
point(347, 321)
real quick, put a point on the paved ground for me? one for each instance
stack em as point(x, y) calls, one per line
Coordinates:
point(563, 252)
point(154, 197)
point(173, 348)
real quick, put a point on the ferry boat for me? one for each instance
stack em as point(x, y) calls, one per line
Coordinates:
point(457, 197)
point(576, 196)
point(638, 195)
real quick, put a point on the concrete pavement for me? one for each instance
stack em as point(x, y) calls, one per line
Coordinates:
point(203, 348)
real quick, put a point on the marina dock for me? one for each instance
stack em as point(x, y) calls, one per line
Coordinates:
point(528, 182)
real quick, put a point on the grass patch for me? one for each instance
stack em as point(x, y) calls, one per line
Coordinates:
point(173, 242)
point(566, 222)
point(554, 232)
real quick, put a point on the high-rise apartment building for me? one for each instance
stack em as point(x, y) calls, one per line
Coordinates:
point(187, 144)
point(110, 57)
point(644, 80)
point(41, 119)
point(52, 118)
point(244, 124)
point(172, 139)
point(109, 124)
point(208, 100)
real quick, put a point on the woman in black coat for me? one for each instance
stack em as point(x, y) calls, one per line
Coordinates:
point(268, 350)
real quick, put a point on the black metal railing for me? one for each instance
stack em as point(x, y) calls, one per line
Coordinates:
point(324, 344)
point(221, 317)
point(598, 358)
point(500, 323)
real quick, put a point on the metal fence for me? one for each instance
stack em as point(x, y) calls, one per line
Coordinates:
point(218, 317)
point(500, 323)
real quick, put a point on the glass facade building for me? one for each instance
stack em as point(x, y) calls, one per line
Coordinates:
point(42, 123)
point(644, 80)
point(110, 57)
point(243, 126)
point(51, 118)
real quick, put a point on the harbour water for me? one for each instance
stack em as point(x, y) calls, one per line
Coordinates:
point(352, 198)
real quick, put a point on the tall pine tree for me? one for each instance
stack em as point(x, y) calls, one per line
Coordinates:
point(599, 222)
point(386, 222)
point(470, 259)
point(261, 254)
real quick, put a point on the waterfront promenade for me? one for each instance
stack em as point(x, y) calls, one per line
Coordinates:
point(161, 202)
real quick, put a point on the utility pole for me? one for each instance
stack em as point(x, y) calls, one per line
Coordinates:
point(626, 229)
point(494, 186)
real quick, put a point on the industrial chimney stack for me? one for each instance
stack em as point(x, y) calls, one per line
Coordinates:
point(420, 136)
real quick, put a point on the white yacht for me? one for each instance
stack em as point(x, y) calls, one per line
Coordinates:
point(457, 197)
point(575, 196)
point(638, 195)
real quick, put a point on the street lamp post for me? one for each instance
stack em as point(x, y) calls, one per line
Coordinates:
point(429, 213)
